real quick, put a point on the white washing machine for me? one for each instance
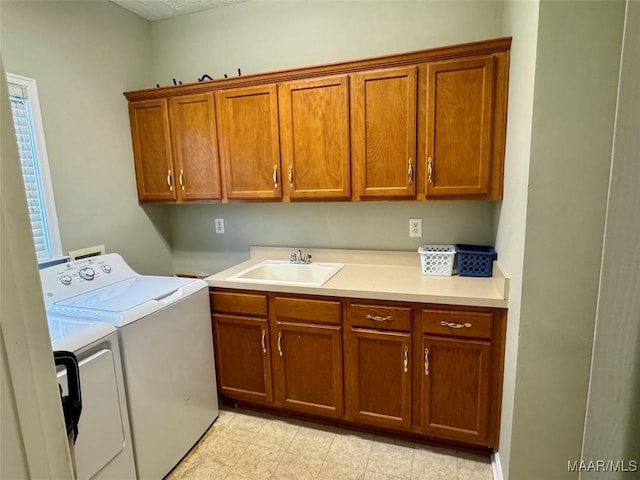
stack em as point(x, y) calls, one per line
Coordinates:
point(103, 449)
point(166, 346)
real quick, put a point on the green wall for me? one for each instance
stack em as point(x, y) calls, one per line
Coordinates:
point(267, 36)
point(576, 80)
point(83, 55)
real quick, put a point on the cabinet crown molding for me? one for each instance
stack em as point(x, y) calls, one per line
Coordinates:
point(485, 47)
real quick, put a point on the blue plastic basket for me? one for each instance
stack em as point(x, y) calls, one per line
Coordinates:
point(475, 260)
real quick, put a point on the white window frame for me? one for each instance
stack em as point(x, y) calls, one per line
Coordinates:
point(46, 185)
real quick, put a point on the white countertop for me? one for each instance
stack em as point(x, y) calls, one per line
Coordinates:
point(381, 275)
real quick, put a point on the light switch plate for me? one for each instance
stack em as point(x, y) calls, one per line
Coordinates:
point(415, 227)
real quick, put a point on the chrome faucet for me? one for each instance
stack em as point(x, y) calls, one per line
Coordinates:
point(299, 257)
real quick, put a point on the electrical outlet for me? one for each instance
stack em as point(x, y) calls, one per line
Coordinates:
point(219, 223)
point(415, 227)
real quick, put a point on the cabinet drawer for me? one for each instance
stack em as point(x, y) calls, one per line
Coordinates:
point(380, 317)
point(239, 303)
point(304, 310)
point(457, 323)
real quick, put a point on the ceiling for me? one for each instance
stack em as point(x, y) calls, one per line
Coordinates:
point(154, 10)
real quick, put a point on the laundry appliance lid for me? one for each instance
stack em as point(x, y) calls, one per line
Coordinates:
point(126, 301)
point(74, 334)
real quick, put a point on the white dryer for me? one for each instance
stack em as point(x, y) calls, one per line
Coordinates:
point(103, 449)
point(166, 345)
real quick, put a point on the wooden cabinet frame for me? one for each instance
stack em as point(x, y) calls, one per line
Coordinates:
point(314, 136)
point(340, 339)
point(152, 156)
point(250, 142)
point(195, 147)
point(258, 143)
point(175, 149)
point(383, 122)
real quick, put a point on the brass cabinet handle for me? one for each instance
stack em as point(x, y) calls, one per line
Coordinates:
point(377, 318)
point(430, 170)
point(455, 325)
point(275, 176)
point(405, 361)
point(169, 180)
point(280, 343)
point(181, 179)
point(264, 346)
point(426, 361)
point(290, 176)
point(410, 172)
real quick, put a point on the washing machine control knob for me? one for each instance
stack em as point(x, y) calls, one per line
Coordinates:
point(65, 280)
point(87, 273)
point(106, 268)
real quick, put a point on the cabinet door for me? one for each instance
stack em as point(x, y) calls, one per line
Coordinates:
point(150, 135)
point(314, 129)
point(455, 388)
point(308, 368)
point(379, 377)
point(459, 118)
point(242, 357)
point(383, 115)
point(249, 142)
point(195, 146)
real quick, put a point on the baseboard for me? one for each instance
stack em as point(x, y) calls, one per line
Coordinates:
point(496, 467)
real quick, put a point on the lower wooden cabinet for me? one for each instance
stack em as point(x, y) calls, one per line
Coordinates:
point(430, 371)
point(308, 368)
point(378, 377)
point(455, 388)
point(243, 365)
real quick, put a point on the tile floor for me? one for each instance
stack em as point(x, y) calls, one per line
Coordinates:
point(247, 445)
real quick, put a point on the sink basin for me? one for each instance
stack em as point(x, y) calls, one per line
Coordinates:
point(284, 273)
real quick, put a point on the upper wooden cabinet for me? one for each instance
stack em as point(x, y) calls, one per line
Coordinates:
point(383, 123)
point(424, 125)
point(175, 148)
point(195, 147)
point(462, 130)
point(151, 139)
point(314, 135)
point(249, 142)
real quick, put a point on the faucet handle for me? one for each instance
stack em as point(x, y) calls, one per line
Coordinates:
point(307, 258)
point(292, 257)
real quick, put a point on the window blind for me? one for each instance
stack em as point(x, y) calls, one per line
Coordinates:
point(28, 153)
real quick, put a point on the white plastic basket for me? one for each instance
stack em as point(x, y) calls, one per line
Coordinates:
point(437, 259)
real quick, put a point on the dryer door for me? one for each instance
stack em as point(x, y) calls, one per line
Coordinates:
point(100, 430)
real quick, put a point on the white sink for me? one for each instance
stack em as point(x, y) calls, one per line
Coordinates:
point(284, 273)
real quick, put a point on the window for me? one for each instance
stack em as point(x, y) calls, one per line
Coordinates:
point(32, 151)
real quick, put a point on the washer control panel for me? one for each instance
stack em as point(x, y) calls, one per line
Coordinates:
point(79, 276)
point(80, 270)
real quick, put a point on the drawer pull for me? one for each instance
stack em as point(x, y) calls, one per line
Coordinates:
point(280, 343)
point(455, 325)
point(290, 176)
point(378, 318)
point(426, 361)
point(430, 171)
point(405, 361)
point(275, 177)
point(264, 347)
point(169, 184)
point(410, 172)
